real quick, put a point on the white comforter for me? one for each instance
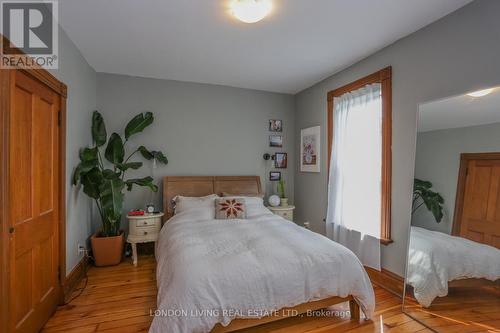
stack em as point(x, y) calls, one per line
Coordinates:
point(435, 258)
point(211, 271)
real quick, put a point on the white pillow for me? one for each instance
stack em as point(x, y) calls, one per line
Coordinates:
point(184, 204)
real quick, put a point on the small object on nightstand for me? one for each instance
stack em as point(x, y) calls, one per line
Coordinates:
point(285, 212)
point(150, 208)
point(136, 212)
point(274, 200)
point(142, 229)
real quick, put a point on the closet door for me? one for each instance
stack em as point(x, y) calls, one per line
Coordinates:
point(480, 220)
point(33, 202)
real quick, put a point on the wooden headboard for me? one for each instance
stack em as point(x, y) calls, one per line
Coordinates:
point(198, 186)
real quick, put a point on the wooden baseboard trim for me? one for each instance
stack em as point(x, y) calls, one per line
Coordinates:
point(74, 278)
point(387, 280)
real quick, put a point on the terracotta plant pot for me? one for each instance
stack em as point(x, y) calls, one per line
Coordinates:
point(283, 202)
point(107, 251)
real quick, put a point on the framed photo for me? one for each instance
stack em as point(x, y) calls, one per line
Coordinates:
point(275, 141)
point(274, 176)
point(280, 160)
point(275, 125)
point(310, 149)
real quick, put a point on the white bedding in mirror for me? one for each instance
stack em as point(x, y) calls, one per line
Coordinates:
point(435, 258)
point(208, 269)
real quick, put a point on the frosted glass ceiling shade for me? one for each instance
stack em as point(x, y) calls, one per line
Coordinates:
point(251, 11)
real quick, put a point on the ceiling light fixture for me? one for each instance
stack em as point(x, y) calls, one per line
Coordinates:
point(251, 11)
point(480, 93)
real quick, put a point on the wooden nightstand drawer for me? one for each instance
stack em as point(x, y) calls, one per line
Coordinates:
point(145, 223)
point(144, 231)
point(285, 212)
point(141, 229)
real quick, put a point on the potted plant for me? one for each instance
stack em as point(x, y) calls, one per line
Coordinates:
point(103, 179)
point(424, 195)
point(281, 193)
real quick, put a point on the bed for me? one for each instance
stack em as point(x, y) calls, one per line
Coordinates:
point(225, 275)
point(435, 259)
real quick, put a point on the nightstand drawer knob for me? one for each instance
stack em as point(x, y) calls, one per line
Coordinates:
point(285, 214)
point(145, 232)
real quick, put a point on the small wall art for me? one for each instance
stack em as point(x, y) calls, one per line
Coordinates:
point(280, 160)
point(274, 176)
point(310, 149)
point(275, 141)
point(275, 125)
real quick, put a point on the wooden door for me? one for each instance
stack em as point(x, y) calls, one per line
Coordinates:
point(33, 202)
point(479, 202)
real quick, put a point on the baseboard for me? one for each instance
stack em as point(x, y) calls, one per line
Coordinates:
point(74, 278)
point(387, 280)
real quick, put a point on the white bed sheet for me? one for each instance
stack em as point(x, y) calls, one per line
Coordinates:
point(211, 271)
point(435, 258)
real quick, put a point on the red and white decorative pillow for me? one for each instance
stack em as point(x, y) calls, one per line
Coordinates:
point(230, 208)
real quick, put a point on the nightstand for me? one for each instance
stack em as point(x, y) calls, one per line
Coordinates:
point(142, 229)
point(283, 211)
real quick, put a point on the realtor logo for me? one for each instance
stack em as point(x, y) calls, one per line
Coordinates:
point(30, 27)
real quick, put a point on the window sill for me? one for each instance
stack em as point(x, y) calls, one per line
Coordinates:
point(386, 241)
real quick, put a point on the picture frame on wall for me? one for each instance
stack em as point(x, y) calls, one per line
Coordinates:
point(274, 176)
point(276, 141)
point(280, 160)
point(275, 125)
point(310, 148)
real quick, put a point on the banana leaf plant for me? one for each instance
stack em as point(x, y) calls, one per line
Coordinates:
point(424, 195)
point(103, 179)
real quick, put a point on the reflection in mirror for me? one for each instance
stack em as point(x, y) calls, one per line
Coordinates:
point(452, 281)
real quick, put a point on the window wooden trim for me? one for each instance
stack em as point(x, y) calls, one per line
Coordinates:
point(384, 77)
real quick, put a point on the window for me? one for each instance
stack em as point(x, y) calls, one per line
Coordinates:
point(365, 150)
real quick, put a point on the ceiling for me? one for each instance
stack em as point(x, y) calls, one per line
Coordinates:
point(460, 111)
point(299, 44)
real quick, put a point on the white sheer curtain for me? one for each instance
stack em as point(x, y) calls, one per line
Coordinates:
point(354, 188)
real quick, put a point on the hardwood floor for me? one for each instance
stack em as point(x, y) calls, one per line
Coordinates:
point(119, 299)
point(468, 307)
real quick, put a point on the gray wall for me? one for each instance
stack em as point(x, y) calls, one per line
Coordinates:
point(438, 161)
point(80, 78)
point(203, 129)
point(458, 53)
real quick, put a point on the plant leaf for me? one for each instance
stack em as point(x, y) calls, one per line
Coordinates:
point(81, 169)
point(98, 129)
point(433, 201)
point(145, 153)
point(130, 165)
point(110, 174)
point(112, 199)
point(156, 154)
point(146, 181)
point(138, 123)
point(422, 184)
point(115, 151)
point(89, 154)
point(91, 182)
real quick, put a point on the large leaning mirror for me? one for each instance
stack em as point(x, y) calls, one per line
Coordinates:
point(452, 281)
